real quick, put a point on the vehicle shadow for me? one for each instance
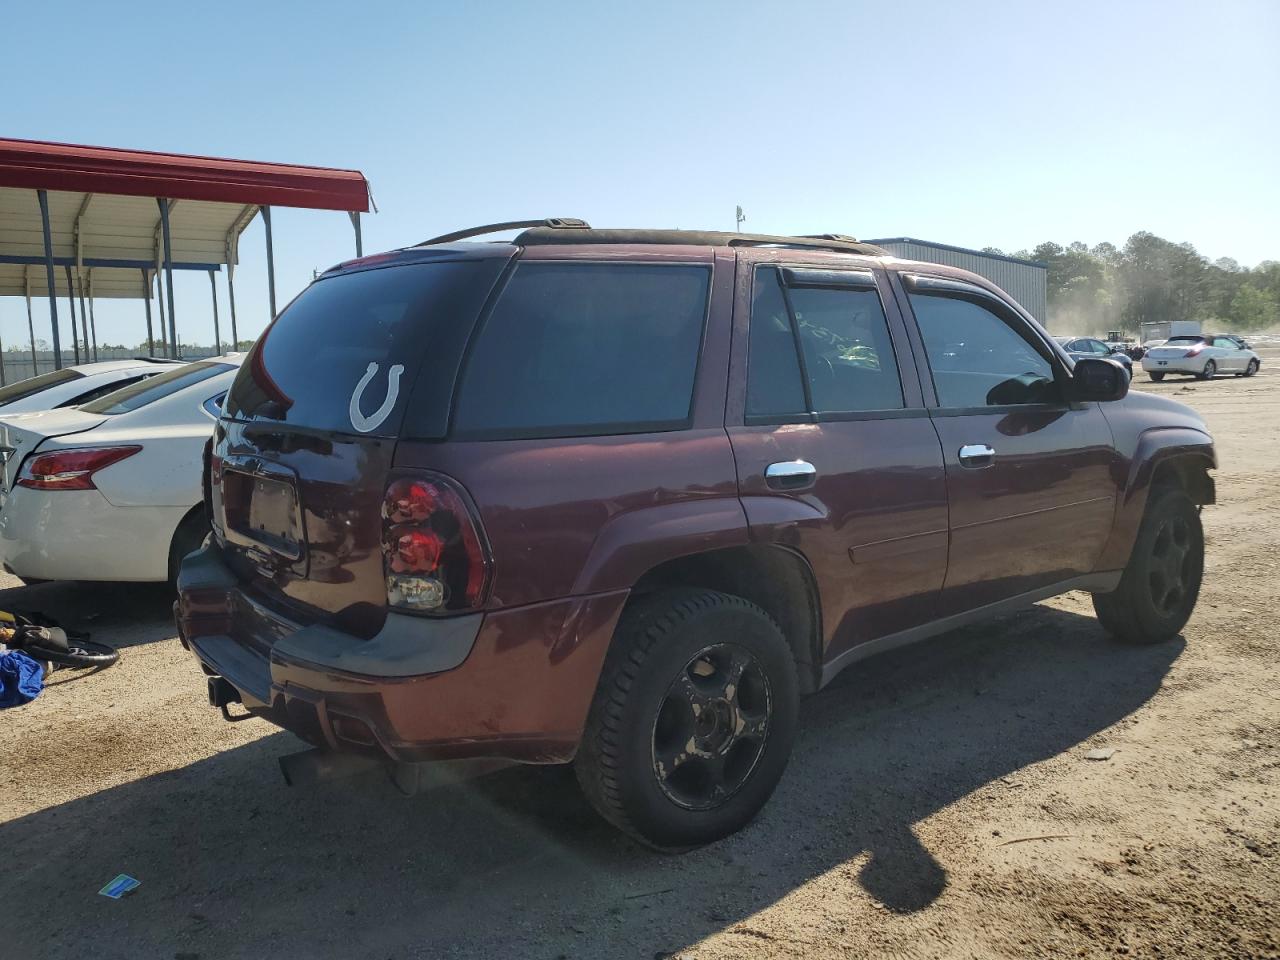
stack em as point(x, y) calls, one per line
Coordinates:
point(121, 614)
point(234, 864)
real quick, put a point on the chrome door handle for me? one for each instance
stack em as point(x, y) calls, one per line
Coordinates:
point(790, 474)
point(977, 455)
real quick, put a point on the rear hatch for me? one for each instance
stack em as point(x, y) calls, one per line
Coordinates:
point(303, 450)
point(22, 433)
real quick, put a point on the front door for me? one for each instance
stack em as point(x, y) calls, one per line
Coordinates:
point(836, 455)
point(1031, 477)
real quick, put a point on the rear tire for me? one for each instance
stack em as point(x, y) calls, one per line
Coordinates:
point(1157, 377)
point(1209, 372)
point(1159, 587)
point(693, 719)
point(189, 536)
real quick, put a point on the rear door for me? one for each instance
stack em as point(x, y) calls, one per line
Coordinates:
point(1031, 477)
point(311, 422)
point(836, 455)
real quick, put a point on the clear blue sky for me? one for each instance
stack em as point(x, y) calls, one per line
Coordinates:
point(968, 123)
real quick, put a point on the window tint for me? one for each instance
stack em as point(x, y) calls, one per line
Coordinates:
point(1225, 342)
point(317, 353)
point(213, 406)
point(32, 385)
point(844, 336)
point(977, 359)
point(1185, 339)
point(773, 369)
point(847, 351)
point(574, 349)
point(155, 388)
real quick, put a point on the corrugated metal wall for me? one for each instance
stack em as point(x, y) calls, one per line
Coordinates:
point(1025, 282)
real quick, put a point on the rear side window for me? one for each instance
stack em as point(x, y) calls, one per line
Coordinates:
point(155, 388)
point(349, 352)
point(576, 349)
point(32, 385)
point(102, 391)
point(844, 341)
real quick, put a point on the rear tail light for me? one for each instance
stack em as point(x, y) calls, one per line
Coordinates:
point(70, 469)
point(433, 554)
point(1194, 350)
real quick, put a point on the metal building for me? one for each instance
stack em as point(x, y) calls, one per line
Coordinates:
point(1025, 280)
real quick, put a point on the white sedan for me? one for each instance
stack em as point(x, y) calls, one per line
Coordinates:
point(1201, 355)
point(111, 490)
point(79, 384)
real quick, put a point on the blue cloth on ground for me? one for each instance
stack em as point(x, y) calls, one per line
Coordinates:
point(21, 679)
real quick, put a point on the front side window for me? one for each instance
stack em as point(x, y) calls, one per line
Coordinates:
point(576, 349)
point(976, 356)
point(844, 340)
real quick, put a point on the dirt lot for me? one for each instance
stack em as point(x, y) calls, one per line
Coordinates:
point(939, 803)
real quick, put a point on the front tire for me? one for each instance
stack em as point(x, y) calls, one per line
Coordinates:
point(1159, 587)
point(1157, 377)
point(1209, 372)
point(693, 720)
point(1251, 369)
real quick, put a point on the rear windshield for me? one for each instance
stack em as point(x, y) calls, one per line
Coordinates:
point(25, 388)
point(346, 354)
point(1185, 340)
point(155, 388)
point(577, 349)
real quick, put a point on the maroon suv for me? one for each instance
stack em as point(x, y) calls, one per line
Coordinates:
point(621, 497)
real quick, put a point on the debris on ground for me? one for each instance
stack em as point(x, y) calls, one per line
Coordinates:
point(1101, 753)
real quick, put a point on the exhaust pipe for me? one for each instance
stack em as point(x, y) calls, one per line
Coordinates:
point(316, 766)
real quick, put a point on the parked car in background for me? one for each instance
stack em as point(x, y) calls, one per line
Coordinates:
point(1201, 355)
point(620, 497)
point(79, 384)
point(1079, 347)
point(111, 490)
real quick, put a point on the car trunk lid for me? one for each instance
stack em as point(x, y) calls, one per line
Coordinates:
point(22, 433)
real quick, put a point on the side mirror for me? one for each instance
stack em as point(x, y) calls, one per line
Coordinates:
point(1097, 379)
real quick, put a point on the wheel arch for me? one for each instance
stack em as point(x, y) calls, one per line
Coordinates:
point(775, 578)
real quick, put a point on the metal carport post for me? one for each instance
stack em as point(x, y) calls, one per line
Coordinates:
point(71, 302)
point(213, 292)
point(146, 296)
point(43, 197)
point(165, 207)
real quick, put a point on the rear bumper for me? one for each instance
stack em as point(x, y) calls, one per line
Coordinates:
point(80, 535)
point(1174, 364)
point(512, 684)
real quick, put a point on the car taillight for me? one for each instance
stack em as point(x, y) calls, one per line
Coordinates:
point(433, 555)
point(1194, 350)
point(70, 469)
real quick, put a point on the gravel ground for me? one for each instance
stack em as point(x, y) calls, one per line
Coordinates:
point(939, 802)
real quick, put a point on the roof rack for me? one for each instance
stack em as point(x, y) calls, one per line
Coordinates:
point(550, 223)
point(542, 235)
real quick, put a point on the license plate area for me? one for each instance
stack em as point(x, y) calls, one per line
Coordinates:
point(263, 510)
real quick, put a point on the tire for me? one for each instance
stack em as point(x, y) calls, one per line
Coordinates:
point(79, 653)
point(1251, 369)
point(1157, 377)
point(1159, 587)
point(672, 651)
point(1209, 372)
point(189, 536)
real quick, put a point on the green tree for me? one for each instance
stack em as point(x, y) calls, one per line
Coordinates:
point(1253, 308)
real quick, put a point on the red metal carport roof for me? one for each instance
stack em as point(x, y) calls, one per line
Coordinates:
point(142, 173)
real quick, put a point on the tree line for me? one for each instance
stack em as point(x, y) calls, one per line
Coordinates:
point(1105, 287)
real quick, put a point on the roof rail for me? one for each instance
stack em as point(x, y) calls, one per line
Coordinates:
point(549, 223)
point(540, 235)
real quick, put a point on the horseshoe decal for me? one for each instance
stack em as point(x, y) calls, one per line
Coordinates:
point(358, 420)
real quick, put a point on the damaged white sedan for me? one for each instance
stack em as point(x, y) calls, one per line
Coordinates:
point(111, 490)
